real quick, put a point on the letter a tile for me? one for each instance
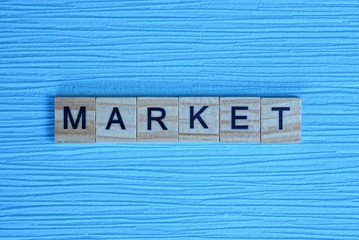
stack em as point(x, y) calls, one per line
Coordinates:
point(116, 119)
point(75, 120)
point(240, 119)
point(157, 119)
point(281, 120)
point(198, 119)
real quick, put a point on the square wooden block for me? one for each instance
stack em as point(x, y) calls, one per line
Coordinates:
point(115, 119)
point(75, 120)
point(157, 119)
point(198, 119)
point(281, 120)
point(240, 119)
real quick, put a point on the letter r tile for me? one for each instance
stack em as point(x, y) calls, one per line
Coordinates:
point(75, 120)
point(198, 119)
point(116, 119)
point(240, 119)
point(157, 119)
point(281, 120)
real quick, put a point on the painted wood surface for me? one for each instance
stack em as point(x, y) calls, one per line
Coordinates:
point(306, 49)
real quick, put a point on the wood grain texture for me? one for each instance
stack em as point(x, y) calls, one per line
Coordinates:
point(154, 125)
point(252, 119)
point(208, 110)
point(281, 120)
point(76, 124)
point(122, 110)
point(306, 49)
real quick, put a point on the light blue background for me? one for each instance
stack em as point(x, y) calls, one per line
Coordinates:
point(308, 49)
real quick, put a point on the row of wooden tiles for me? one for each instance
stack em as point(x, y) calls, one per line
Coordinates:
point(172, 119)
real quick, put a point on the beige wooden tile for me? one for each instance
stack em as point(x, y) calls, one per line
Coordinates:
point(157, 119)
point(75, 120)
point(198, 119)
point(281, 120)
point(115, 119)
point(240, 119)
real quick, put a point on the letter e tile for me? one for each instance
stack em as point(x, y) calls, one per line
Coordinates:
point(240, 119)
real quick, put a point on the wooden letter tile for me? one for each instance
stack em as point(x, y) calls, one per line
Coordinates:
point(115, 119)
point(198, 119)
point(157, 119)
point(75, 120)
point(281, 120)
point(240, 119)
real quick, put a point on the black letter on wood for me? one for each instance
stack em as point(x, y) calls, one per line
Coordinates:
point(68, 115)
point(158, 119)
point(119, 120)
point(235, 117)
point(280, 110)
point(193, 117)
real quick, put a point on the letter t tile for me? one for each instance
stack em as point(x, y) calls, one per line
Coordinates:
point(281, 120)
